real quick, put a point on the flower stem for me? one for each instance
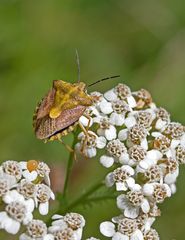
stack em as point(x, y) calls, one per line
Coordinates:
point(84, 196)
point(82, 199)
point(69, 169)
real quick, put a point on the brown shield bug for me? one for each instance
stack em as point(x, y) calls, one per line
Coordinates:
point(59, 111)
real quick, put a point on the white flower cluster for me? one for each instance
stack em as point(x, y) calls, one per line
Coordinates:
point(68, 227)
point(24, 186)
point(144, 149)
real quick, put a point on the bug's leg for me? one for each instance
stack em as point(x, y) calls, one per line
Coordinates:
point(89, 121)
point(85, 131)
point(67, 147)
point(85, 141)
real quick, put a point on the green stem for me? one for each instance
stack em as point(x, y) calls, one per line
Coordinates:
point(83, 198)
point(69, 169)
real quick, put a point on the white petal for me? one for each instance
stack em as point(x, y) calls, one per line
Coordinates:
point(168, 190)
point(59, 223)
point(137, 235)
point(90, 152)
point(124, 158)
point(148, 189)
point(143, 164)
point(78, 234)
point(131, 101)
point(169, 153)
point(174, 143)
point(57, 216)
point(47, 179)
point(183, 140)
point(48, 237)
point(28, 218)
point(30, 176)
point(154, 155)
point(160, 124)
point(4, 219)
point(110, 133)
point(43, 208)
point(123, 134)
point(128, 169)
point(23, 165)
point(29, 205)
point(145, 206)
point(81, 135)
point(110, 95)
point(85, 121)
point(131, 212)
point(173, 188)
point(101, 132)
point(106, 161)
point(144, 144)
point(120, 186)
point(106, 107)
point(12, 196)
point(130, 182)
point(117, 119)
point(130, 121)
point(24, 236)
point(171, 177)
point(120, 236)
point(109, 180)
point(122, 201)
point(101, 142)
point(52, 196)
point(107, 229)
point(156, 134)
point(13, 226)
point(136, 187)
point(148, 223)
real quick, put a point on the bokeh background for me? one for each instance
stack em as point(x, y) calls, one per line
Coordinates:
point(143, 41)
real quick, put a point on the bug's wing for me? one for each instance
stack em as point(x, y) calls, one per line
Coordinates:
point(46, 104)
point(47, 127)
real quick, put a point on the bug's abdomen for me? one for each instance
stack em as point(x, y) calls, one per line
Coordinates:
point(47, 127)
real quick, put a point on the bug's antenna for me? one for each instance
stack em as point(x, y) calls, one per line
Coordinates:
point(103, 79)
point(78, 63)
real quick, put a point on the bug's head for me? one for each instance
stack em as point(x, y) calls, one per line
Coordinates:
point(82, 86)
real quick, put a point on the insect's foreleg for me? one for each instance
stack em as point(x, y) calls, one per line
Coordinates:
point(85, 131)
point(86, 138)
point(89, 121)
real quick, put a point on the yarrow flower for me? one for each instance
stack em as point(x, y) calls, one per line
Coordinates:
point(116, 152)
point(17, 211)
point(69, 226)
point(121, 177)
point(144, 150)
point(132, 202)
point(36, 230)
point(21, 194)
point(90, 143)
point(35, 171)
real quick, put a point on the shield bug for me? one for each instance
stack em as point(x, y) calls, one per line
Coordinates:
point(59, 111)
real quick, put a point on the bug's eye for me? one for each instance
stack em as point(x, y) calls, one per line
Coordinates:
point(32, 165)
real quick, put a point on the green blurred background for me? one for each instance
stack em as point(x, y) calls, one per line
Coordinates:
point(143, 41)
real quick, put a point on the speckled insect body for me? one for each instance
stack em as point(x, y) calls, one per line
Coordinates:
point(59, 111)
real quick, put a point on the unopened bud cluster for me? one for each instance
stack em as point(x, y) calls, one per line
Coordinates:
point(144, 149)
